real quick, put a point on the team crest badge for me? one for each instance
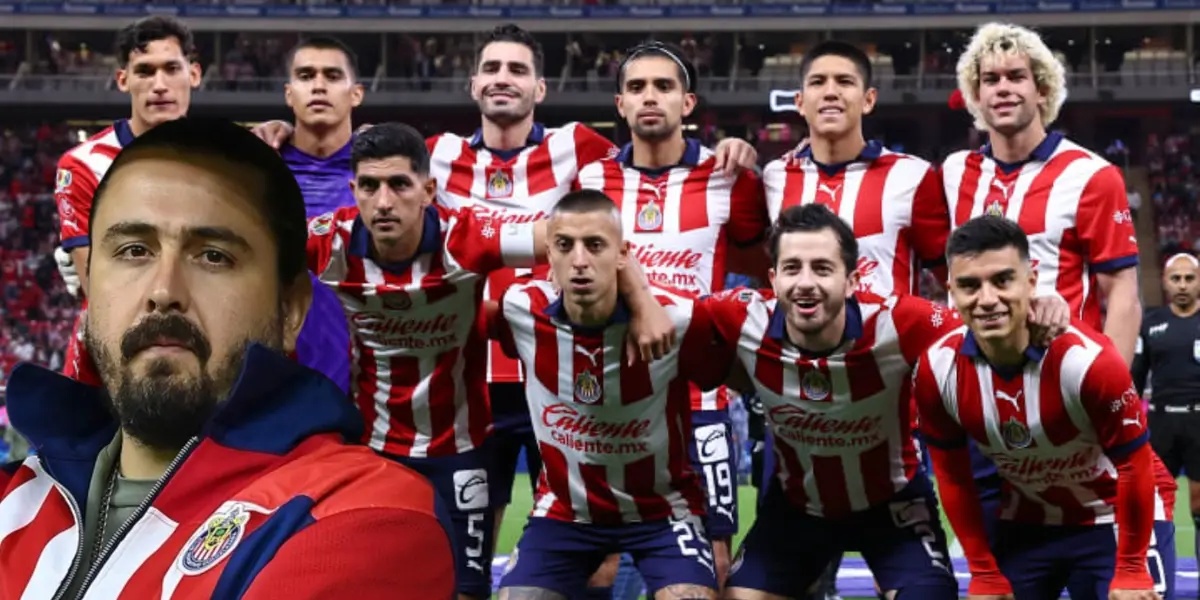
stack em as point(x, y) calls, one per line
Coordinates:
point(995, 209)
point(587, 388)
point(814, 386)
point(321, 224)
point(215, 540)
point(650, 217)
point(499, 185)
point(1015, 434)
point(396, 300)
point(62, 181)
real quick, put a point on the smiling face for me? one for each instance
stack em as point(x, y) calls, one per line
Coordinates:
point(993, 291)
point(182, 277)
point(322, 90)
point(834, 97)
point(653, 100)
point(1009, 99)
point(812, 283)
point(506, 84)
point(159, 81)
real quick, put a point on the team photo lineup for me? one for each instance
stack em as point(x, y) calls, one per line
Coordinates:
point(314, 358)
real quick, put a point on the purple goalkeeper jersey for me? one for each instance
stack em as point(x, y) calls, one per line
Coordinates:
point(324, 342)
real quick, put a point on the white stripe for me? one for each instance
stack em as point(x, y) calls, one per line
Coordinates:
point(52, 566)
point(22, 505)
point(144, 539)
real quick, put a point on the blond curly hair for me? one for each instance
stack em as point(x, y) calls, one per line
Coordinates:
point(1006, 39)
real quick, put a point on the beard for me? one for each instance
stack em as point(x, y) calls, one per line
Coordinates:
point(514, 112)
point(655, 133)
point(165, 407)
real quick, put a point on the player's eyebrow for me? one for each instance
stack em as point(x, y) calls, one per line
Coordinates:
point(144, 230)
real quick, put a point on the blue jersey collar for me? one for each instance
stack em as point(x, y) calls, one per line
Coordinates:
point(870, 153)
point(777, 330)
point(555, 310)
point(970, 347)
point(124, 132)
point(690, 158)
point(536, 136)
point(431, 235)
point(1041, 153)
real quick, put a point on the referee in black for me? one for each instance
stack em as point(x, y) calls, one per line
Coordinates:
point(1168, 350)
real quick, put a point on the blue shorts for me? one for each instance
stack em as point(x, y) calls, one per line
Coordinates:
point(902, 541)
point(1041, 560)
point(714, 456)
point(561, 557)
point(462, 482)
point(512, 432)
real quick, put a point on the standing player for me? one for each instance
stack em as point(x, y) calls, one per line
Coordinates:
point(1065, 428)
point(1168, 353)
point(409, 276)
point(678, 214)
point(832, 371)
point(613, 433)
point(892, 201)
point(156, 69)
point(1069, 201)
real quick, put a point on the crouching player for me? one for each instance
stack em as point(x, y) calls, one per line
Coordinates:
point(1084, 504)
point(614, 430)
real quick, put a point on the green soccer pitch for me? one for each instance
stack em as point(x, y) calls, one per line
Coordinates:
point(518, 511)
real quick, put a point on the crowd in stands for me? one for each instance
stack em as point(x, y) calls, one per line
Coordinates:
point(1175, 187)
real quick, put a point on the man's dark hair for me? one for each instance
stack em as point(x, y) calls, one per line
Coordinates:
point(585, 201)
point(808, 218)
point(281, 203)
point(387, 140)
point(512, 33)
point(137, 35)
point(847, 51)
point(324, 42)
point(686, 70)
point(987, 233)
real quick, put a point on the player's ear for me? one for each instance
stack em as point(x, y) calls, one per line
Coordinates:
point(852, 279)
point(294, 302)
point(195, 74)
point(620, 105)
point(122, 78)
point(539, 92)
point(430, 185)
point(869, 99)
point(799, 101)
point(689, 104)
point(623, 255)
point(356, 95)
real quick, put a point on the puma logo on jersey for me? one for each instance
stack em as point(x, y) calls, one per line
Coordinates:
point(592, 356)
point(659, 190)
point(1014, 400)
point(1136, 421)
point(832, 191)
point(1004, 189)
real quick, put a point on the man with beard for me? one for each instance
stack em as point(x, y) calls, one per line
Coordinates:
point(1168, 354)
point(680, 216)
point(208, 465)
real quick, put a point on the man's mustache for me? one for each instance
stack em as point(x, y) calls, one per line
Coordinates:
point(172, 329)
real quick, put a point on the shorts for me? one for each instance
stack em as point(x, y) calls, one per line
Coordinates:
point(512, 432)
point(1041, 560)
point(561, 556)
point(462, 483)
point(714, 456)
point(902, 541)
point(1175, 437)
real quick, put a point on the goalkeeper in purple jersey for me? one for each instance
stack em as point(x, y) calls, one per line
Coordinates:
point(322, 90)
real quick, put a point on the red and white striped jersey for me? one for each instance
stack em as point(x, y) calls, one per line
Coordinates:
point(892, 201)
point(614, 438)
point(418, 351)
point(79, 173)
point(1070, 202)
point(678, 222)
point(843, 423)
point(1049, 426)
point(520, 186)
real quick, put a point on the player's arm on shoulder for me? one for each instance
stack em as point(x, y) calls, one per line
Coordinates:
point(705, 358)
point(651, 332)
point(590, 146)
point(367, 554)
point(920, 323)
point(728, 311)
point(482, 244)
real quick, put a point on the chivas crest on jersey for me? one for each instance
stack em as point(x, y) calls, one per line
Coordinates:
point(215, 540)
point(1015, 434)
point(995, 208)
point(499, 184)
point(587, 388)
point(814, 386)
point(649, 216)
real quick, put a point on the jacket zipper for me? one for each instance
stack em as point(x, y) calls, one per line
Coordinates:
point(98, 562)
point(78, 514)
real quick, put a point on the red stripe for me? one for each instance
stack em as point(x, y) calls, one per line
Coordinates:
point(405, 377)
point(614, 182)
point(545, 343)
point(793, 189)
point(366, 386)
point(556, 479)
point(636, 384)
point(794, 485)
point(1057, 424)
point(865, 381)
point(965, 203)
point(875, 465)
point(1027, 510)
point(1033, 210)
point(970, 399)
point(440, 395)
point(147, 581)
point(868, 206)
point(462, 172)
point(835, 182)
point(640, 478)
point(830, 474)
point(602, 504)
point(679, 464)
point(768, 367)
point(539, 169)
point(474, 357)
point(23, 548)
point(693, 199)
point(1070, 281)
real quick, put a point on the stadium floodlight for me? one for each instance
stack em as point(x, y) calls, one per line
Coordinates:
point(783, 100)
point(1195, 96)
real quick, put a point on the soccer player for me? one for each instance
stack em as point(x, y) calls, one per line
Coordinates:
point(1069, 201)
point(614, 434)
point(156, 69)
point(1065, 428)
point(678, 215)
point(832, 369)
point(208, 465)
point(1168, 356)
point(410, 276)
point(892, 201)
